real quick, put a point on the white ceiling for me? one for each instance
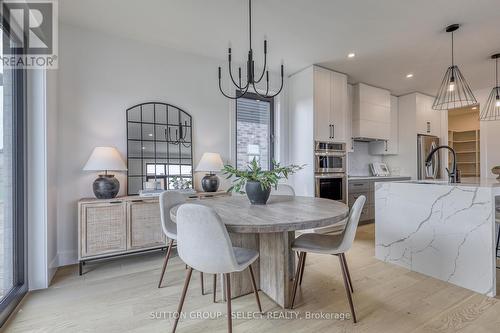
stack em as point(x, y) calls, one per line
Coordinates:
point(390, 37)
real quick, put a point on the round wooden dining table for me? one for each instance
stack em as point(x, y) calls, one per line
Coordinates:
point(270, 229)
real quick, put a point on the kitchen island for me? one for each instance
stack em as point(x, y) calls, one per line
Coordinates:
point(440, 229)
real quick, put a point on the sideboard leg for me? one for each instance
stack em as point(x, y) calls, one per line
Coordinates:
point(80, 268)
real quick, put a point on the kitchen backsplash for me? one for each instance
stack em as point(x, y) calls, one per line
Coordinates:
point(360, 159)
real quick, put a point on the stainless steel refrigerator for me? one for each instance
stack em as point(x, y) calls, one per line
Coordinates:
point(425, 143)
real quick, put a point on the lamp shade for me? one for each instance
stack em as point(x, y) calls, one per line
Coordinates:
point(210, 162)
point(104, 159)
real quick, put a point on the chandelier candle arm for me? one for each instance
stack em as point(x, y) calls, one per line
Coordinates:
point(251, 78)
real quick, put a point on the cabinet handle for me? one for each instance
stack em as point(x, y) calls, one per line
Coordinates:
point(115, 202)
point(333, 131)
point(138, 200)
point(330, 129)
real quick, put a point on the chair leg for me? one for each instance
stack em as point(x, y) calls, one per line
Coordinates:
point(228, 297)
point(215, 287)
point(347, 272)
point(297, 276)
point(302, 269)
point(347, 289)
point(165, 262)
point(202, 284)
point(183, 297)
point(254, 286)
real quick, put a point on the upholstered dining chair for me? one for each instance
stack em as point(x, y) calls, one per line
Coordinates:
point(204, 245)
point(169, 199)
point(284, 189)
point(336, 244)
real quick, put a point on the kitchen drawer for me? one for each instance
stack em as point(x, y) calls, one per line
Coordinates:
point(368, 213)
point(356, 186)
point(355, 195)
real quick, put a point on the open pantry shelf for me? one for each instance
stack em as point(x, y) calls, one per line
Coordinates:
point(466, 145)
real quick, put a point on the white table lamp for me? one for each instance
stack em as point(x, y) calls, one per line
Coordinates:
point(106, 186)
point(210, 163)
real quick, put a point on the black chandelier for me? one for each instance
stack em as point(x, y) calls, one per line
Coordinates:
point(251, 78)
point(454, 91)
point(491, 110)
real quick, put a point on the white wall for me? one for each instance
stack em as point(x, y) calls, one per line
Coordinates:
point(101, 76)
point(41, 176)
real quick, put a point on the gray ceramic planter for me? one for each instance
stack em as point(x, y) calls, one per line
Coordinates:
point(256, 194)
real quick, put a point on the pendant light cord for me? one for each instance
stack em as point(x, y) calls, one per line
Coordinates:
point(452, 56)
point(496, 70)
point(250, 22)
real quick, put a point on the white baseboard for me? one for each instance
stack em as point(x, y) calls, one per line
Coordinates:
point(52, 268)
point(65, 258)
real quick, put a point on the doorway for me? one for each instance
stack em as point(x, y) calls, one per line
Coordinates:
point(464, 138)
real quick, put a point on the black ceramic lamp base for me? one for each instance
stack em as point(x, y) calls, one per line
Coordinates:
point(106, 187)
point(210, 183)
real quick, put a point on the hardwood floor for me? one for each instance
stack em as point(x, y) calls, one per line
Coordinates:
point(122, 296)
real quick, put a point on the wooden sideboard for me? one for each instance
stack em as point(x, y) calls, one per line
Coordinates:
point(120, 226)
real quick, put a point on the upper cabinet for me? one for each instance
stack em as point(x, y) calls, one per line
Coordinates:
point(330, 103)
point(391, 146)
point(428, 120)
point(371, 116)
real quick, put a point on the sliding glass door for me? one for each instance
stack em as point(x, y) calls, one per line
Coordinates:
point(13, 284)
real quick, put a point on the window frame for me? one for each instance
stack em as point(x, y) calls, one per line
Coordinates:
point(19, 228)
point(254, 96)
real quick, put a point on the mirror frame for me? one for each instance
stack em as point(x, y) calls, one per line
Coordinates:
point(178, 129)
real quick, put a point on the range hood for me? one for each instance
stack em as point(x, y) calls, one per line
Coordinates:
point(371, 116)
point(362, 139)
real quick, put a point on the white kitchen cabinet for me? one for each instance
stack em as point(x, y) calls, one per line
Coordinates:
point(428, 120)
point(348, 128)
point(322, 104)
point(414, 112)
point(339, 108)
point(318, 99)
point(391, 146)
point(330, 105)
point(371, 116)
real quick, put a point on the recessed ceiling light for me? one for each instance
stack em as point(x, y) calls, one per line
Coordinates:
point(474, 108)
point(409, 75)
point(351, 55)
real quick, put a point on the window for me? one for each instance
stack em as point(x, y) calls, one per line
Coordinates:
point(254, 131)
point(13, 282)
point(170, 176)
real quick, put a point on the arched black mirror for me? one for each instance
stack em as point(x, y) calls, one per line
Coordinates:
point(159, 147)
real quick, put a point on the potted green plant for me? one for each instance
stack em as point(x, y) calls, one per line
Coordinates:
point(257, 182)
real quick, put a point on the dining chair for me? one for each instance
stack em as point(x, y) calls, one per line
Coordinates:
point(204, 245)
point(169, 199)
point(336, 244)
point(284, 189)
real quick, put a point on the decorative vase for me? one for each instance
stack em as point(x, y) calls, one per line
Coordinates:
point(496, 171)
point(256, 194)
point(210, 183)
point(106, 187)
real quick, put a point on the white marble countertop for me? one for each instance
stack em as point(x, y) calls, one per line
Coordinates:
point(375, 177)
point(474, 182)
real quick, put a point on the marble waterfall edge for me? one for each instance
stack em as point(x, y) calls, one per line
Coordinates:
point(444, 231)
